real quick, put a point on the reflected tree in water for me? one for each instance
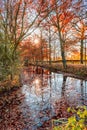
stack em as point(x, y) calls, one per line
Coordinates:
point(63, 86)
point(84, 92)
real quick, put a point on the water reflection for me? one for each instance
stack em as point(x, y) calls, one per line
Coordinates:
point(48, 95)
point(63, 85)
point(84, 92)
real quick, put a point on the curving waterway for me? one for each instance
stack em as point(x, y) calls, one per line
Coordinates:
point(43, 97)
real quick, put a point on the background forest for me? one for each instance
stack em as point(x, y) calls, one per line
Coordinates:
point(38, 31)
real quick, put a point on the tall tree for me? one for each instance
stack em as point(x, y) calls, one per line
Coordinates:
point(17, 20)
point(61, 14)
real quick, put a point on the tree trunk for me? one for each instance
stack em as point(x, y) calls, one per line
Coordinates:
point(81, 52)
point(62, 51)
point(49, 50)
point(63, 56)
point(62, 47)
point(41, 48)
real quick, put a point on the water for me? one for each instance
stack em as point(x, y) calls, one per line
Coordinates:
point(43, 97)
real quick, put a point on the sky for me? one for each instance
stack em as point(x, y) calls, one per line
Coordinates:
point(85, 3)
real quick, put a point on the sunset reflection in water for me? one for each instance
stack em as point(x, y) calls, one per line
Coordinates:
point(37, 85)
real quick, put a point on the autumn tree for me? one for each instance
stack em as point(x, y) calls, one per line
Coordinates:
point(34, 49)
point(79, 27)
point(80, 34)
point(61, 14)
point(17, 21)
point(45, 43)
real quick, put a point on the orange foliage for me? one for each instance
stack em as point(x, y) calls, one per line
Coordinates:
point(33, 51)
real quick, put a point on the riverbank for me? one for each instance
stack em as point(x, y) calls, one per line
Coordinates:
point(45, 96)
point(72, 70)
point(9, 85)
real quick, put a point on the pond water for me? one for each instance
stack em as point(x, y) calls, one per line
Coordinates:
point(43, 97)
point(46, 93)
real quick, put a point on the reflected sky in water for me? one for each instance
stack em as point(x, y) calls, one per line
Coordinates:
point(43, 90)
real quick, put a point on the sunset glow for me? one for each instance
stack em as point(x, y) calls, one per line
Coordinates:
point(36, 41)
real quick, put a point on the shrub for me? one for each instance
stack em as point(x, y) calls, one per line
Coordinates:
point(76, 122)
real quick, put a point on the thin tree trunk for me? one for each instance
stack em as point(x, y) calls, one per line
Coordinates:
point(81, 52)
point(41, 48)
point(49, 47)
